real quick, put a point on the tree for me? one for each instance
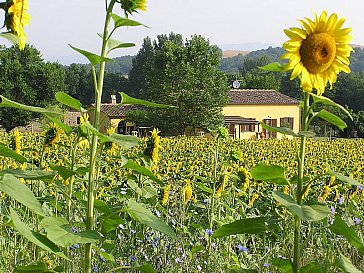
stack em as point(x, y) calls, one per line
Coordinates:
point(137, 81)
point(349, 90)
point(256, 78)
point(79, 83)
point(185, 74)
point(113, 84)
point(26, 79)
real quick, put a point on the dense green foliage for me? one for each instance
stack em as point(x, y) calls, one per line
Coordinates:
point(26, 78)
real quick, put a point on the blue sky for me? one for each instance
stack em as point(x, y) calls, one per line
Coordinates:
point(55, 24)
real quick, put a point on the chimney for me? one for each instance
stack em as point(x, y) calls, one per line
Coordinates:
point(113, 99)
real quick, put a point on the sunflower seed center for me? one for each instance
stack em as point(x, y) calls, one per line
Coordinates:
point(318, 52)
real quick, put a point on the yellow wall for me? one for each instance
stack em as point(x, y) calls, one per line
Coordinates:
point(106, 122)
point(261, 112)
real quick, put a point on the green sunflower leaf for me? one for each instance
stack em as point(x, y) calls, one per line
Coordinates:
point(284, 265)
point(93, 58)
point(282, 130)
point(59, 232)
point(340, 227)
point(346, 265)
point(7, 152)
point(115, 44)
point(145, 268)
point(142, 170)
point(124, 141)
point(107, 256)
point(310, 211)
point(332, 119)
point(274, 174)
point(243, 226)
point(344, 178)
point(69, 101)
point(327, 101)
point(4, 102)
point(35, 237)
point(124, 22)
point(10, 37)
point(21, 193)
point(29, 174)
point(146, 217)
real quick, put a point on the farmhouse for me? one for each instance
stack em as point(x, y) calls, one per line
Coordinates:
point(114, 115)
point(247, 108)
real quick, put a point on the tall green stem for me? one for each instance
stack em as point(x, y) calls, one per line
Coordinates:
point(212, 204)
point(69, 200)
point(98, 82)
point(301, 164)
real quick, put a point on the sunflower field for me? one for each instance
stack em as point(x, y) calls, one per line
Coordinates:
point(201, 185)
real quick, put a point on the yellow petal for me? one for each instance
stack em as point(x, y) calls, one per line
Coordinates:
point(322, 21)
point(331, 21)
point(342, 32)
point(307, 26)
point(299, 31)
point(345, 68)
point(290, 48)
point(311, 23)
point(296, 71)
point(343, 48)
point(343, 59)
point(286, 55)
point(344, 39)
point(338, 24)
point(306, 79)
point(293, 61)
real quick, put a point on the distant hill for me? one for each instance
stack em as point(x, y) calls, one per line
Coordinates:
point(246, 46)
point(236, 63)
point(233, 53)
point(233, 60)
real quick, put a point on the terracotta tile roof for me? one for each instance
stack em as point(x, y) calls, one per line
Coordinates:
point(259, 96)
point(113, 110)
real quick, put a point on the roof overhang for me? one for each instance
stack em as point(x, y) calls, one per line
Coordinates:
point(240, 120)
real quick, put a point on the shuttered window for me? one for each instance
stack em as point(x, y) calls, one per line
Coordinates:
point(287, 122)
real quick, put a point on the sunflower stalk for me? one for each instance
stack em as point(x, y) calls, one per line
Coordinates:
point(299, 193)
point(91, 192)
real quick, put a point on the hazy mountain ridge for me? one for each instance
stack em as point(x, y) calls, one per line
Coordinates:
point(233, 60)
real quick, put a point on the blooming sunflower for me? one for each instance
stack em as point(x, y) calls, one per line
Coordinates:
point(52, 134)
point(16, 18)
point(187, 192)
point(318, 51)
point(16, 141)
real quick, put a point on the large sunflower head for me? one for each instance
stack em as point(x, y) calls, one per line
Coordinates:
point(16, 17)
point(318, 51)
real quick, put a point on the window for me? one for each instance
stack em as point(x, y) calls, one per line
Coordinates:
point(247, 128)
point(272, 123)
point(287, 122)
